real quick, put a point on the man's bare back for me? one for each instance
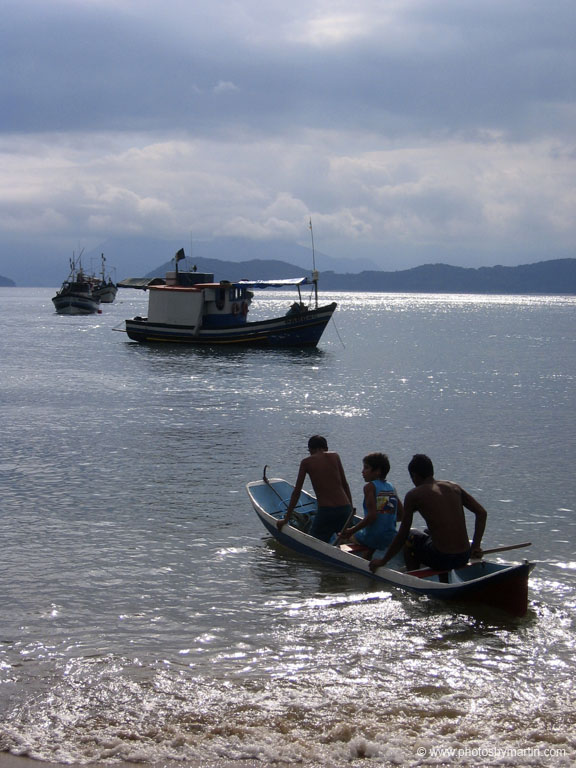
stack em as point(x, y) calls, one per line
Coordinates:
point(333, 495)
point(441, 505)
point(327, 477)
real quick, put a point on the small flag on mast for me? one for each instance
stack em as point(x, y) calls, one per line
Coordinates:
point(180, 255)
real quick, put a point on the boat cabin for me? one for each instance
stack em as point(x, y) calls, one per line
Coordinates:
point(194, 299)
point(79, 285)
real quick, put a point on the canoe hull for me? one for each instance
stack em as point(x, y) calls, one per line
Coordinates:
point(501, 586)
point(303, 330)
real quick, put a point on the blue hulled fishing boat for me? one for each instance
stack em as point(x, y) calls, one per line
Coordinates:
point(190, 308)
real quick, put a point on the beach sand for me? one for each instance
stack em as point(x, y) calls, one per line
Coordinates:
point(12, 761)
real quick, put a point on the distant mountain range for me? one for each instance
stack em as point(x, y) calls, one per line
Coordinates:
point(33, 264)
point(230, 258)
point(545, 277)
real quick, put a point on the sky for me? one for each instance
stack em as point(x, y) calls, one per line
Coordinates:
point(408, 131)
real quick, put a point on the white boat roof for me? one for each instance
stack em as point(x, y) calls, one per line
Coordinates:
point(272, 283)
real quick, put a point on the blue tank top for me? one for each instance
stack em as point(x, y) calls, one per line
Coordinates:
point(386, 505)
point(380, 533)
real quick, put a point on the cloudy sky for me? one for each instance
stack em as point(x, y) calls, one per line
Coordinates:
point(410, 131)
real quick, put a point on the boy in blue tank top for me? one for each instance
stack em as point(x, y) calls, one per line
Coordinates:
point(382, 507)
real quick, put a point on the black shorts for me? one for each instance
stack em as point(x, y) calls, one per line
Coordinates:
point(420, 545)
point(329, 520)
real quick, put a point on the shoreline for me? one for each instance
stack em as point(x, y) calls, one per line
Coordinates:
point(8, 760)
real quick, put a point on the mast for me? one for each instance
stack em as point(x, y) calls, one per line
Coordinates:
point(315, 274)
point(177, 257)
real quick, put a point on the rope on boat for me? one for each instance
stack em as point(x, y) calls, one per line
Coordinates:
point(337, 332)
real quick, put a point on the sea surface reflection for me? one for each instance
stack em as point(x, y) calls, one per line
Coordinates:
point(148, 617)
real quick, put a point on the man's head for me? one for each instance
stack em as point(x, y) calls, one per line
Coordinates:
point(317, 443)
point(420, 468)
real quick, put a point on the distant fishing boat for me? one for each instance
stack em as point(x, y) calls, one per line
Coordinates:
point(499, 585)
point(103, 287)
point(190, 308)
point(76, 296)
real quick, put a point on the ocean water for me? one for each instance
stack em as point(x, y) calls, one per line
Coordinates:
point(147, 617)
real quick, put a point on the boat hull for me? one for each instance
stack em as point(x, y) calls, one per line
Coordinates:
point(75, 304)
point(502, 586)
point(106, 294)
point(301, 330)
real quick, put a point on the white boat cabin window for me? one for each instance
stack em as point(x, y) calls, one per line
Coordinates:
point(237, 294)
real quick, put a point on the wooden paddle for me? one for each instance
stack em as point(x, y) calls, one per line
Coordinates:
point(505, 549)
point(346, 524)
point(431, 572)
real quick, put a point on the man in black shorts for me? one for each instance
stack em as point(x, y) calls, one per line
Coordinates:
point(328, 479)
point(445, 544)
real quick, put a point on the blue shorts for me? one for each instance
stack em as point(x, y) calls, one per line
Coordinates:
point(420, 545)
point(329, 520)
point(375, 539)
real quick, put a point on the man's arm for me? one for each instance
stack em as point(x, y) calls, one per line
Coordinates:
point(480, 515)
point(345, 485)
point(295, 495)
point(400, 538)
point(400, 508)
point(371, 511)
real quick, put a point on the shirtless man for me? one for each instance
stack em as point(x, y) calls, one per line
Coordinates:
point(445, 545)
point(330, 486)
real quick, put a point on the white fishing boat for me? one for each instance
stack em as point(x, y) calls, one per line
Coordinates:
point(500, 585)
point(190, 308)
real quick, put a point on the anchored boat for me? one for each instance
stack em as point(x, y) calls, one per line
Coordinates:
point(190, 308)
point(103, 287)
point(76, 296)
point(500, 585)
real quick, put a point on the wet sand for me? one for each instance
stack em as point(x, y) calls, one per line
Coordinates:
point(12, 761)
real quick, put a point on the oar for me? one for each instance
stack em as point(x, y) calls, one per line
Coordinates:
point(299, 505)
point(269, 484)
point(346, 524)
point(505, 549)
point(484, 552)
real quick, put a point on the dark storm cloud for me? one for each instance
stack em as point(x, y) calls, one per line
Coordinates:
point(447, 67)
point(412, 130)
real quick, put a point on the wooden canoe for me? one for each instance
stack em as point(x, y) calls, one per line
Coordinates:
point(500, 585)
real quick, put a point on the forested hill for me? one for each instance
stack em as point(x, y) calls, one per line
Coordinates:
point(545, 277)
point(557, 276)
